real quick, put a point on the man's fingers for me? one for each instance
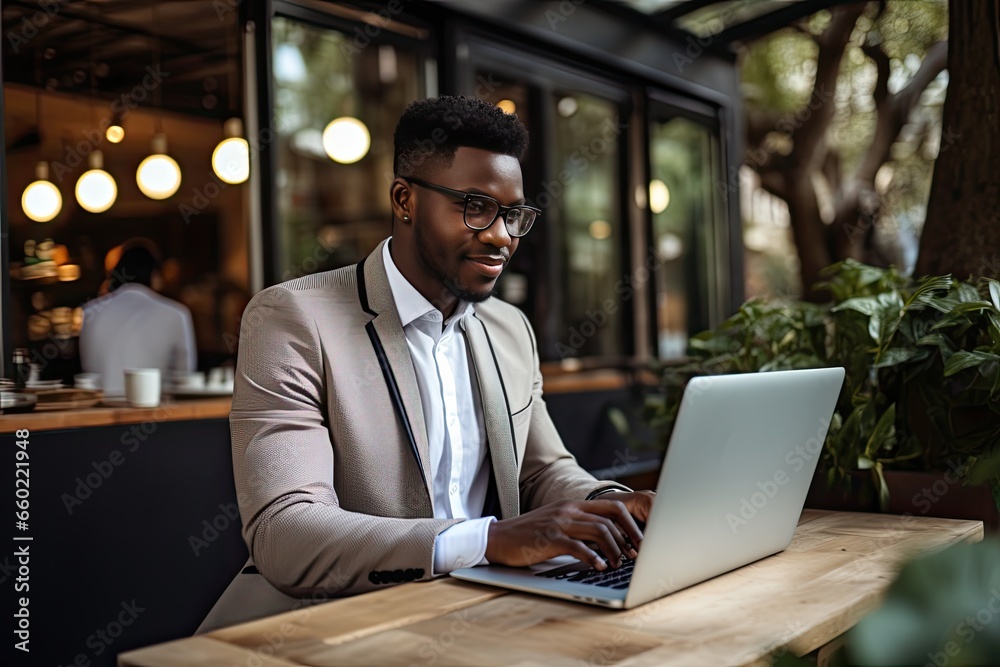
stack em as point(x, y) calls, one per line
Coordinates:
point(616, 533)
point(581, 552)
point(602, 536)
point(618, 512)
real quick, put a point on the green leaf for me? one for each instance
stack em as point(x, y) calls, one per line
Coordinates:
point(875, 327)
point(994, 292)
point(940, 341)
point(883, 488)
point(994, 321)
point(924, 293)
point(898, 355)
point(866, 305)
point(984, 468)
point(972, 306)
point(967, 292)
point(967, 359)
point(884, 434)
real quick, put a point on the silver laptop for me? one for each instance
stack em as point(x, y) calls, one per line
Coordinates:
point(741, 457)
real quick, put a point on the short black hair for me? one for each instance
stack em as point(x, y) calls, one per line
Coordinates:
point(433, 129)
point(138, 261)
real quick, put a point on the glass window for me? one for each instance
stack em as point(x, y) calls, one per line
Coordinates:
point(565, 271)
point(335, 110)
point(586, 168)
point(683, 206)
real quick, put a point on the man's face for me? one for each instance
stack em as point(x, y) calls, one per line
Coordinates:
point(451, 258)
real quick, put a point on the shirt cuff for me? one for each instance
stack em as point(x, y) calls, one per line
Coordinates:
point(462, 545)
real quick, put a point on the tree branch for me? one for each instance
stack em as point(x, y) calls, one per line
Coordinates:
point(832, 42)
point(893, 110)
point(934, 62)
point(874, 51)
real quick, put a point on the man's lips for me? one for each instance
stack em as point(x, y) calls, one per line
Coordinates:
point(489, 265)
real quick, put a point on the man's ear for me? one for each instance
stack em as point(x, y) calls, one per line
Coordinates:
point(400, 198)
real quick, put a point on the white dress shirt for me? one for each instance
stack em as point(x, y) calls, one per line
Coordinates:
point(134, 327)
point(453, 414)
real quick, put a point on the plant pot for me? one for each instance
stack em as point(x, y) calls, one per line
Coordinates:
point(941, 494)
point(855, 494)
point(936, 494)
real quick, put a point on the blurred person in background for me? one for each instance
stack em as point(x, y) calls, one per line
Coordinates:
point(134, 327)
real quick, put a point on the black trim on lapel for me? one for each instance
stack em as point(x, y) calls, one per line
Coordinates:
point(363, 289)
point(383, 362)
point(491, 503)
point(503, 387)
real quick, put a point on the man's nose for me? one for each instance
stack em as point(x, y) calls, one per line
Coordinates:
point(496, 234)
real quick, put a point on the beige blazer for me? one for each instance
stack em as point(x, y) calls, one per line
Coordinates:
point(330, 450)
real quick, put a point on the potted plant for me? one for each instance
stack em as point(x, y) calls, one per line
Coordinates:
point(920, 404)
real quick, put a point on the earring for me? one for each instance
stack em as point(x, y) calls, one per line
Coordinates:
point(406, 217)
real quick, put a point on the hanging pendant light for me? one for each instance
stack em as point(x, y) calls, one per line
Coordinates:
point(158, 176)
point(41, 200)
point(96, 190)
point(346, 140)
point(116, 131)
point(231, 158)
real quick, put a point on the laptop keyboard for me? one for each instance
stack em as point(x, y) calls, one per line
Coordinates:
point(581, 573)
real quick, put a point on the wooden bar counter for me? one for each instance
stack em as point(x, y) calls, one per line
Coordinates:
point(835, 571)
point(168, 410)
point(128, 507)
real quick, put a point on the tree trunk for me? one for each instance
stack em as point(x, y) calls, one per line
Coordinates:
point(962, 233)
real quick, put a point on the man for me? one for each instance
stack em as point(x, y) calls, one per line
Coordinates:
point(388, 422)
point(134, 327)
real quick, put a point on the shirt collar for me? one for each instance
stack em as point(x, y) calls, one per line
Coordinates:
point(411, 304)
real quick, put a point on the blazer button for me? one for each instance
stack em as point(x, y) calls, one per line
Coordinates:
point(396, 576)
point(373, 577)
point(419, 573)
point(408, 574)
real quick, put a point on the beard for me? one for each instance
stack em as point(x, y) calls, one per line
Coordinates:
point(437, 267)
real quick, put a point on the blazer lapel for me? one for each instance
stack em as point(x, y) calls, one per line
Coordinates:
point(496, 414)
point(386, 334)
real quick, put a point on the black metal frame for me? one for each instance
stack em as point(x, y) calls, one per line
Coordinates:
point(5, 288)
point(544, 67)
point(667, 19)
point(262, 12)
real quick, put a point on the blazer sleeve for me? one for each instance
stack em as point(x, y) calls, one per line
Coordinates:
point(549, 473)
point(299, 537)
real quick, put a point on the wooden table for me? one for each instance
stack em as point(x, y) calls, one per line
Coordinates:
point(835, 571)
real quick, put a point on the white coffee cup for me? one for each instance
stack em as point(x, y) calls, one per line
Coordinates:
point(142, 387)
point(87, 380)
point(216, 377)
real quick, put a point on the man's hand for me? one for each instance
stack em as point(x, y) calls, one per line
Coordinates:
point(566, 529)
point(639, 503)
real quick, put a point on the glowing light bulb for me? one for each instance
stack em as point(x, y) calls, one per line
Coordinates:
point(659, 196)
point(96, 190)
point(346, 140)
point(41, 200)
point(231, 158)
point(115, 134)
point(158, 176)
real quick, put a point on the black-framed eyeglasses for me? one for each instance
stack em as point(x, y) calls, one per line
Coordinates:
point(481, 211)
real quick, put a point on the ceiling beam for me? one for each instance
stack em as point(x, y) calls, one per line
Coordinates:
point(101, 20)
point(674, 12)
point(780, 18)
